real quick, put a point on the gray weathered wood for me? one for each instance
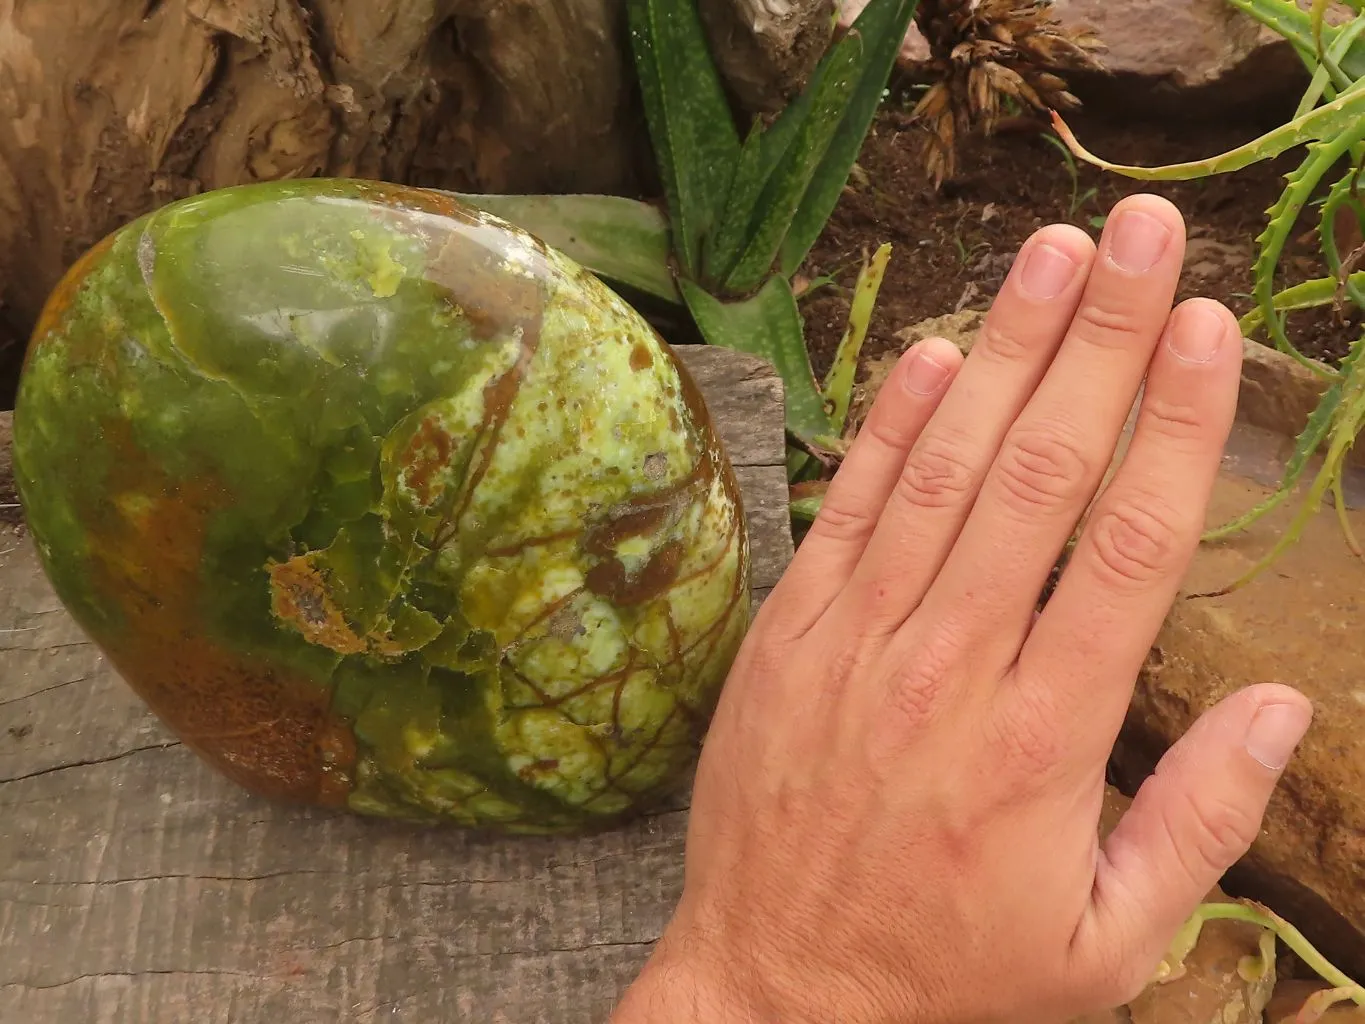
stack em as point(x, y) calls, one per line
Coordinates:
point(138, 887)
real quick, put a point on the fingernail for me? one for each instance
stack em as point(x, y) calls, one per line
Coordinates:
point(1275, 731)
point(1196, 334)
point(1138, 241)
point(924, 375)
point(1046, 271)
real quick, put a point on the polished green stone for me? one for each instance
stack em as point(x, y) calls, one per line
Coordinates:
point(381, 503)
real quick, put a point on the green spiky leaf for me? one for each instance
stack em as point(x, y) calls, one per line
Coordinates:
point(1345, 114)
point(1295, 24)
point(767, 324)
point(618, 239)
point(1320, 291)
point(752, 172)
point(882, 25)
point(1301, 184)
point(838, 389)
point(828, 92)
point(693, 133)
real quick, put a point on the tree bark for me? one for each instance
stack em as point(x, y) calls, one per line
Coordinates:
point(111, 108)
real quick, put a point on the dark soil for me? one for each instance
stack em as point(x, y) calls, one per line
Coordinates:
point(951, 249)
point(9, 497)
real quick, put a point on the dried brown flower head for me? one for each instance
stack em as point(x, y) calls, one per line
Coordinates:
point(985, 53)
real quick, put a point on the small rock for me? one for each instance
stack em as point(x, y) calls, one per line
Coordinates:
point(1208, 257)
point(1290, 996)
point(1214, 986)
point(959, 328)
point(1182, 43)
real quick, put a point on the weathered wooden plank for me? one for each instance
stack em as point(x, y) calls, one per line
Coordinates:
point(139, 887)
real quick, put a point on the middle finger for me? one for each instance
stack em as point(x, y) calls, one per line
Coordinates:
point(1054, 457)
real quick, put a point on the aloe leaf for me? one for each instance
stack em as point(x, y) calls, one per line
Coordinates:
point(882, 25)
point(1327, 122)
point(1315, 431)
point(1315, 16)
point(1343, 436)
point(752, 171)
point(781, 196)
point(1295, 24)
point(1330, 68)
point(767, 324)
point(764, 152)
point(619, 239)
point(695, 142)
point(771, 146)
point(1344, 518)
point(1319, 291)
point(1340, 195)
point(1301, 183)
point(838, 389)
point(1309, 440)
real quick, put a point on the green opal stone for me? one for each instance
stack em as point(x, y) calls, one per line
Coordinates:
point(380, 503)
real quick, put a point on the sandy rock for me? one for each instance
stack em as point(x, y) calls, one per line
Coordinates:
point(1182, 43)
point(1168, 45)
point(1299, 623)
point(766, 50)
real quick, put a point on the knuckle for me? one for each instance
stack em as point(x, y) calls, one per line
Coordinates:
point(936, 474)
point(918, 688)
point(888, 430)
point(1000, 344)
point(840, 521)
point(1042, 469)
point(1170, 421)
point(1135, 540)
point(1027, 736)
point(1107, 326)
point(1208, 833)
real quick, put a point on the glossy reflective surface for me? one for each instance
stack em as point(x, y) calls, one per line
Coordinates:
point(379, 503)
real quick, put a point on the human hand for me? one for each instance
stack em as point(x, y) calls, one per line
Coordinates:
point(896, 810)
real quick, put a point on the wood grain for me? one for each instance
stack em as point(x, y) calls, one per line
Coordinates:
point(138, 887)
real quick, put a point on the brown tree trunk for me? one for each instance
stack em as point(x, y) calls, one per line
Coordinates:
point(110, 108)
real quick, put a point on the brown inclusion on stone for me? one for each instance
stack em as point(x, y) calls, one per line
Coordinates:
point(264, 727)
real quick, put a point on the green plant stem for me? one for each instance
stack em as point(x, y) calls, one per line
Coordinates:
point(1319, 291)
point(1286, 933)
point(838, 386)
point(1283, 216)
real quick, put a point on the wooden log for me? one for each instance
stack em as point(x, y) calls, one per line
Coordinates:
point(139, 887)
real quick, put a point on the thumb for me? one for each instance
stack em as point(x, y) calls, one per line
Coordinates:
point(1191, 820)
